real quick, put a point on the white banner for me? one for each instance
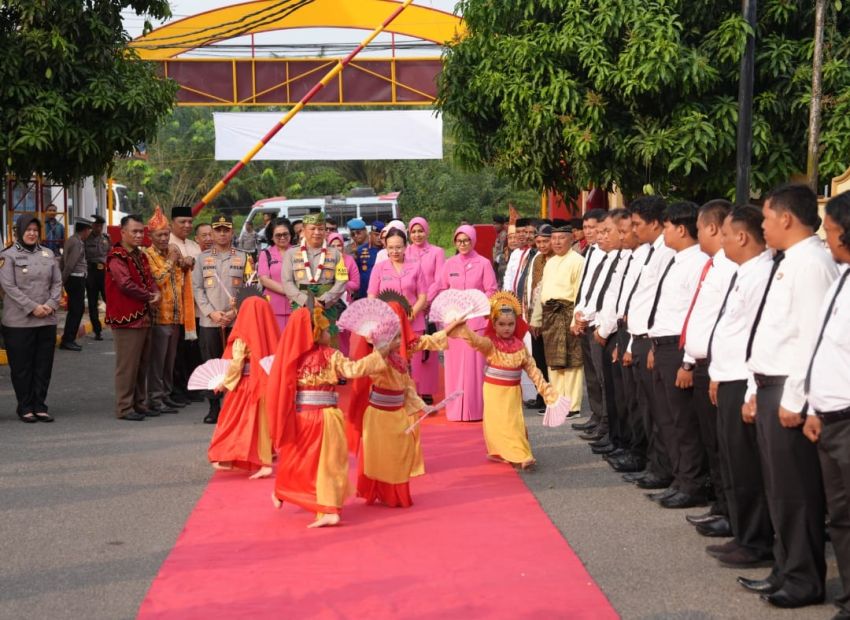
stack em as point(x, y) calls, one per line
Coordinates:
point(331, 136)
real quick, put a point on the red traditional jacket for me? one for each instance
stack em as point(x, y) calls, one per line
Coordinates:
point(129, 284)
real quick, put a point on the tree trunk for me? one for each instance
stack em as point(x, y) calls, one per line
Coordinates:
point(817, 92)
point(745, 108)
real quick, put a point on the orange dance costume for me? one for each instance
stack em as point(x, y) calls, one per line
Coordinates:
point(383, 407)
point(242, 437)
point(308, 427)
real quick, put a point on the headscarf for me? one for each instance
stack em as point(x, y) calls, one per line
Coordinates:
point(469, 231)
point(398, 225)
point(413, 250)
point(334, 236)
point(256, 326)
point(21, 225)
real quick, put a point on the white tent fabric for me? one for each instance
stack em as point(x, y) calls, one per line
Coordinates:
point(331, 136)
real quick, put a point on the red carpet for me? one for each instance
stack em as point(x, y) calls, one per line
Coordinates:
point(476, 544)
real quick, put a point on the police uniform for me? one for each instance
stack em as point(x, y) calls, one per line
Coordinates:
point(96, 249)
point(74, 272)
point(216, 278)
point(29, 278)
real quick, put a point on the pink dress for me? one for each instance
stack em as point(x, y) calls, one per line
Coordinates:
point(425, 365)
point(344, 339)
point(409, 283)
point(464, 365)
point(268, 265)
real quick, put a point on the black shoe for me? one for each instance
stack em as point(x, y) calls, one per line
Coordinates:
point(98, 336)
point(70, 346)
point(729, 546)
point(741, 557)
point(43, 416)
point(760, 586)
point(841, 615)
point(195, 398)
point(634, 476)
point(28, 418)
point(592, 435)
point(573, 414)
point(133, 417)
point(782, 599)
point(163, 409)
point(211, 418)
point(715, 529)
point(604, 450)
point(583, 426)
point(617, 454)
point(605, 441)
point(173, 404)
point(541, 411)
point(683, 500)
point(704, 518)
point(533, 403)
point(630, 464)
point(180, 399)
point(651, 481)
point(659, 495)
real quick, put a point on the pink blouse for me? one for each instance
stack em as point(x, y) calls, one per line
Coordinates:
point(430, 258)
point(461, 272)
point(410, 283)
point(280, 303)
point(353, 276)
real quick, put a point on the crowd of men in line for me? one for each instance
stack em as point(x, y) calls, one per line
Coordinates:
point(716, 359)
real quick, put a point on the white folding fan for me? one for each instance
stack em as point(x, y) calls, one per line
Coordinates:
point(556, 414)
point(267, 362)
point(453, 304)
point(370, 318)
point(208, 375)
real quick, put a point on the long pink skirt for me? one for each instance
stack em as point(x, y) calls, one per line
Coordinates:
point(426, 374)
point(464, 372)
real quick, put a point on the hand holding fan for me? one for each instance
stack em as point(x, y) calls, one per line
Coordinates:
point(371, 318)
point(209, 375)
point(432, 408)
point(453, 304)
point(556, 414)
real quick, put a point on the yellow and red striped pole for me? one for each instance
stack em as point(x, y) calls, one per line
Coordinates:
point(216, 190)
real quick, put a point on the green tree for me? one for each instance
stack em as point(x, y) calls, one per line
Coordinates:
point(565, 94)
point(73, 93)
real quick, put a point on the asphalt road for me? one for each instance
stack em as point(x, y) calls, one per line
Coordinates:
point(90, 507)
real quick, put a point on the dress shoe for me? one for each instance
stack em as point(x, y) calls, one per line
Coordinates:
point(164, 409)
point(841, 615)
point(195, 397)
point(683, 500)
point(592, 435)
point(634, 476)
point(70, 346)
point(173, 404)
point(149, 413)
point(180, 399)
point(133, 417)
point(708, 517)
point(782, 599)
point(659, 495)
point(604, 450)
point(651, 481)
point(541, 411)
point(729, 546)
point(583, 426)
point(741, 557)
point(211, 418)
point(618, 453)
point(600, 442)
point(573, 414)
point(533, 403)
point(98, 336)
point(760, 586)
point(715, 529)
point(629, 464)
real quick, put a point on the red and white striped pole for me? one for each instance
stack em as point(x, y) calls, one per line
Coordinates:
point(216, 190)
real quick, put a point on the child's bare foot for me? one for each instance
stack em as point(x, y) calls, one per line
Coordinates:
point(325, 520)
point(263, 472)
point(223, 466)
point(275, 501)
point(529, 465)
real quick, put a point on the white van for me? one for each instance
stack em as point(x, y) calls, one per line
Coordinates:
point(341, 209)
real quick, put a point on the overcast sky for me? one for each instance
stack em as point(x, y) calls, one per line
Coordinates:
point(185, 8)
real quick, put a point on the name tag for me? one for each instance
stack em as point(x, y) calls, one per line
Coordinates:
point(209, 282)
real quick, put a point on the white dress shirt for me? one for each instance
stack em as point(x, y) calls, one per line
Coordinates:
point(587, 304)
point(606, 318)
point(591, 260)
point(639, 255)
point(830, 386)
point(644, 294)
point(187, 247)
point(707, 305)
point(677, 291)
point(787, 331)
point(512, 269)
point(729, 347)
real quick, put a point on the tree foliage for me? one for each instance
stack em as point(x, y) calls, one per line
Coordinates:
point(565, 94)
point(73, 94)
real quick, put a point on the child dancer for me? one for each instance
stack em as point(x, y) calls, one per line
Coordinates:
point(506, 356)
point(242, 438)
point(307, 425)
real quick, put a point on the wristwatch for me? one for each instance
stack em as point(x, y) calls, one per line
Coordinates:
point(688, 366)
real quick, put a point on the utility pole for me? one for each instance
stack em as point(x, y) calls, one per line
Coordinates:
point(817, 93)
point(745, 108)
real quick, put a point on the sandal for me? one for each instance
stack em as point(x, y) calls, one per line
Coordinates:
point(44, 417)
point(29, 418)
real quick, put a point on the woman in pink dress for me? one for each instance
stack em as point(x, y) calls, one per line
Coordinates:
point(268, 268)
point(465, 366)
point(426, 364)
point(335, 240)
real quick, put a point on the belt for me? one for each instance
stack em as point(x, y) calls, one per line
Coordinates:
point(498, 375)
point(663, 340)
point(640, 336)
point(386, 400)
point(306, 399)
point(769, 380)
point(830, 417)
point(78, 275)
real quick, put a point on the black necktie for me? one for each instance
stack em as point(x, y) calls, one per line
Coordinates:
point(594, 279)
point(652, 312)
point(586, 267)
point(780, 256)
point(623, 281)
point(637, 280)
point(720, 314)
point(808, 383)
point(607, 282)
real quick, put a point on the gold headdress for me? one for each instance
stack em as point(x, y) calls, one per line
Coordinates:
point(504, 301)
point(158, 220)
point(320, 323)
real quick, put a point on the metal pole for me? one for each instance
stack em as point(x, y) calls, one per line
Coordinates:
point(295, 110)
point(745, 108)
point(817, 93)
